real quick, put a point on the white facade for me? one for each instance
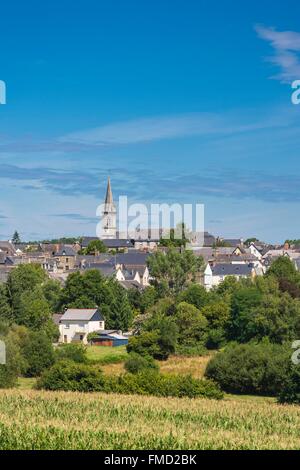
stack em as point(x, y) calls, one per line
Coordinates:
point(74, 329)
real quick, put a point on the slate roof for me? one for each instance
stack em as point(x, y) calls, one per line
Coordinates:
point(232, 270)
point(132, 259)
point(234, 242)
point(79, 314)
point(118, 243)
point(65, 251)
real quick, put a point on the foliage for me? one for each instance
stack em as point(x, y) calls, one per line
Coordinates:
point(71, 376)
point(250, 368)
point(92, 290)
point(173, 270)
point(74, 352)
point(196, 295)
point(16, 240)
point(95, 247)
point(5, 309)
point(191, 324)
point(68, 375)
point(38, 353)
point(136, 363)
point(176, 237)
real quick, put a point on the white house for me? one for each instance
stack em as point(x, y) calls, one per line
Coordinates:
point(214, 275)
point(76, 324)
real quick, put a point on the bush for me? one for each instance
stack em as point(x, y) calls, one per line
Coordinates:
point(68, 375)
point(9, 372)
point(137, 363)
point(38, 353)
point(74, 352)
point(194, 350)
point(290, 390)
point(153, 383)
point(250, 368)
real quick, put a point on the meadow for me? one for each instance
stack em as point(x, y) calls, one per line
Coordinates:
point(55, 420)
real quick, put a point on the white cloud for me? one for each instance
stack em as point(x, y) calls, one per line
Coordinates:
point(286, 45)
point(170, 127)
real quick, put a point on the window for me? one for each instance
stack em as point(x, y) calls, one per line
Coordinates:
point(67, 325)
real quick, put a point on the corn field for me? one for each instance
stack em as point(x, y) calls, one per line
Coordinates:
point(49, 420)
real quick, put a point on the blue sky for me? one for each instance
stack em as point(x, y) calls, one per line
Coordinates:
point(177, 101)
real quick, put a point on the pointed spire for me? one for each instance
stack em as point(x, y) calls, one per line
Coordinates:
point(109, 196)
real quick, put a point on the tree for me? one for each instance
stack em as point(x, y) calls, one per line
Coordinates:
point(38, 352)
point(196, 295)
point(16, 238)
point(244, 301)
point(92, 290)
point(95, 247)
point(5, 309)
point(191, 324)
point(24, 277)
point(176, 237)
point(52, 292)
point(217, 314)
point(34, 312)
point(174, 270)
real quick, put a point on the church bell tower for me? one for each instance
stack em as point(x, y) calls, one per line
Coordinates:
point(109, 219)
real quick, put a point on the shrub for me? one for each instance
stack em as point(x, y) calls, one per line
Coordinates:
point(250, 368)
point(9, 372)
point(153, 383)
point(290, 390)
point(194, 350)
point(136, 363)
point(68, 375)
point(74, 352)
point(38, 353)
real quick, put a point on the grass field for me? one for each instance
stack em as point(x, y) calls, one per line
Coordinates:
point(51, 420)
point(98, 353)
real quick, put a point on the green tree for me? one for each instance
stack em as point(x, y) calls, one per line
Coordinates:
point(24, 277)
point(173, 270)
point(38, 352)
point(196, 295)
point(192, 325)
point(52, 292)
point(95, 247)
point(34, 313)
point(5, 309)
point(16, 238)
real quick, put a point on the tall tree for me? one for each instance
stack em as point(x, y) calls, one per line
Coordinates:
point(173, 270)
point(16, 238)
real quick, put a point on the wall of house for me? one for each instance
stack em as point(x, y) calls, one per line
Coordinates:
point(72, 330)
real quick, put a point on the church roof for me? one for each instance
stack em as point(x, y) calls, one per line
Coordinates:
point(109, 196)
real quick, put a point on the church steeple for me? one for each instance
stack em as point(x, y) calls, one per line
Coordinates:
point(109, 220)
point(109, 196)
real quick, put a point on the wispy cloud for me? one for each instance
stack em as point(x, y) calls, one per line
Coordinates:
point(286, 46)
point(158, 186)
point(75, 217)
point(169, 127)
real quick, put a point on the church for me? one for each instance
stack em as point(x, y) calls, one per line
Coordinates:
point(109, 220)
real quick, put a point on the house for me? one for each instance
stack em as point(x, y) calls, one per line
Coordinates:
point(76, 324)
point(214, 275)
point(66, 258)
point(8, 248)
point(112, 338)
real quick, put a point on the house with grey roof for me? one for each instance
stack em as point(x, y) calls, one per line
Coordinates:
point(76, 324)
point(214, 275)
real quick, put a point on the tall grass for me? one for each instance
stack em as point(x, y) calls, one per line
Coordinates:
point(50, 420)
